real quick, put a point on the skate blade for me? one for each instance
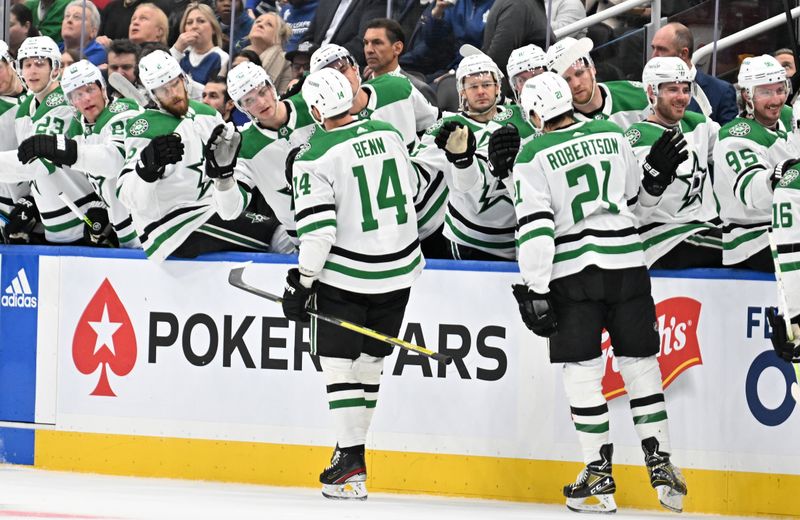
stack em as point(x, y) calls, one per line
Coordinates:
point(346, 491)
point(604, 504)
point(670, 499)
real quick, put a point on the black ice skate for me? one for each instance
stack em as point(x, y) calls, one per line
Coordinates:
point(593, 491)
point(665, 478)
point(346, 476)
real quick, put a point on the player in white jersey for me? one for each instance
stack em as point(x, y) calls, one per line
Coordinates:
point(97, 150)
point(11, 92)
point(679, 232)
point(583, 269)
point(359, 255)
point(623, 102)
point(178, 172)
point(479, 219)
point(750, 156)
point(45, 111)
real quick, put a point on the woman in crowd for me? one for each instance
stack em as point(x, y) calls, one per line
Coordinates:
point(197, 48)
point(20, 27)
point(267, 38)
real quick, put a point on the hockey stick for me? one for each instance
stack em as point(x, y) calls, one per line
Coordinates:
point(235, 279)
point(81, 215)
point(127, 89)
point(783, 308)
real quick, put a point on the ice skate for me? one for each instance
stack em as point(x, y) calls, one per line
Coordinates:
point(346, 477)
point(593, 491)
point(665, 478)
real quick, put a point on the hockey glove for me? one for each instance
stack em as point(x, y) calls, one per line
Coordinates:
point(221, 151)
point(780, 170)
point(161, 151)
point(787, 350)
point(21, 221)
point(458, 143)
point(503, 148)
point(296, 297)
point(58, 149)
point(288, 167)
point(536, 310)
point(662, 162)
point(100, 233)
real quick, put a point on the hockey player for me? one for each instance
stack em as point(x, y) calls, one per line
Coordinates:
point(45, 111)
point(678, 233)
point(97, 150)
point(178, 172)
point(479, 219)
point(750, 157)
point(623, 102)
point(583, 269)
point(359, 254)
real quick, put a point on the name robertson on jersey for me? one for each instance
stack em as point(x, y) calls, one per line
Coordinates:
point(584, 148)
point(369, 147)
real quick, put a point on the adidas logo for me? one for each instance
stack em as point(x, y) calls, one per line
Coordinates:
point(18, 293)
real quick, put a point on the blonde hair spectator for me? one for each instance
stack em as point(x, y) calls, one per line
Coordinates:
point(208, 14)
point(197, 48)
point(267, 38)
point(148, 24)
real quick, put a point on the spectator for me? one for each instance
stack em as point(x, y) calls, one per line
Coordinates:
point(298, 14)
point(123, 58)
point(215, 95)
point(256, 8)
point(300, 59)
point(198, 47)
point(267, 37)
point(148, 24)
point(430, 60)
point(20, 27)
point(465, 21)
point(786, 58)
point(245, 55)
point(48, 20)
point(118, 15)
point(715, 98)
point(74, 18)
point(175, 11)
point(566, 12)
point(240, 29)
point(68, 57)
point(343, 22)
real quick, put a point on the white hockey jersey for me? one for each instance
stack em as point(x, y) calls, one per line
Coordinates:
point(786, 233)
point(624, 103)
point(574, 187)
point(10, 192)
point(744, 157)
point(354, 208)
point(687, 206)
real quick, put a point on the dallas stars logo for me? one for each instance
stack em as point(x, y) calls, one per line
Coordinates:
point(492, 193)
point(694, 181)
point(55, 99)
point(139, 127)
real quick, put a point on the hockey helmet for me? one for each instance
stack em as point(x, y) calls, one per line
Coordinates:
point(244, 78)
point(760, 70)
point(528, 58)
point(39, 47)
point(79, 74)
point(547, 95)
point(473, 64)
point(568, 52)
point(664, 69)
point(329, 91)
point(156, 70)
point(328, 54)
point(4, 54)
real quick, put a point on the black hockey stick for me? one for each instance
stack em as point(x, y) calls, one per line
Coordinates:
point(235, 279)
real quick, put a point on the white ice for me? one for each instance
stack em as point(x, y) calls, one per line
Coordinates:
point(27, 493)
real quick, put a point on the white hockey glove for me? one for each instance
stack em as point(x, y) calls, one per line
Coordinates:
point(221, 151)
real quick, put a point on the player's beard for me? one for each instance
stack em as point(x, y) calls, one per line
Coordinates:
point(176, 107)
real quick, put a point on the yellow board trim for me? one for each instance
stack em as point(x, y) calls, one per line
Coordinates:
point(719, 492)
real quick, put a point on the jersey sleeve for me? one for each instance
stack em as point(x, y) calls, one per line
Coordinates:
point(535, 225)
point(134, 192)
point(424, 113)
point(315, 215)
point(751, 168)
point(786, 233)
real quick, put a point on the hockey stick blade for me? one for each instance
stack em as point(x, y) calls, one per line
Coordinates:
point(235, 278)
point(126, 88)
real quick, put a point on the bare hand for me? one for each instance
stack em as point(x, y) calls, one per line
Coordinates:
point(440, 8)
point(105, 41)
point(185, 40)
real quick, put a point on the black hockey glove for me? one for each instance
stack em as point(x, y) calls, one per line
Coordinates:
point(296, 297)
point(21, 221)
point(288, 167)
point(101, 233)
point(503, 148)
point(786, 350)
point(780, 170)
point(221, 151)
point(58, 149)
point(458, 143)
point(536, 310)
point(161, 151)
point(667, 153)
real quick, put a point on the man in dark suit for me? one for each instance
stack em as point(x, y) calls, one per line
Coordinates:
point(343, 22)
point(675, 39)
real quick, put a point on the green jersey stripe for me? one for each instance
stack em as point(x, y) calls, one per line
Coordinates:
point(482, 243)
point(594, 248)
point(650, 242)
point(374, 275)
point(592, 428)
point(733, 244)
point(538, 232)
point(167, 234)
point(315, 225)
point(650, 418)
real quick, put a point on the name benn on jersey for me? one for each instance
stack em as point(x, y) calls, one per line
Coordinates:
point(583, 148)
point(369, 147)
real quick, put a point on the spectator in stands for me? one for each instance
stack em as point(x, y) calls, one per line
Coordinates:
point(245, 55)
point(267, 37)
point(117, 18)
point(197, 49)
point(241, 28)
point(69, 56)
point(48, 20)
point(786, 58)
point(716, 95)
point(123, 58)
point(298, 14)
point(256, 8)
point(74, 17)
point(215, 95)
point(148, 24)
point(343, 22)
point(564, 13)
point(20, 27)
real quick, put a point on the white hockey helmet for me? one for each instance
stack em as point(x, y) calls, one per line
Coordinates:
point(663, 69)
point(547, 95)
point(79, 74)
point(329, 91)
point(473, 64)
point(39, 47)
point(567, 52)
point(760, 70)
point(327, 54)
point(245, 77)
point(528, 58)
point(156, 70)
point(4, 54)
